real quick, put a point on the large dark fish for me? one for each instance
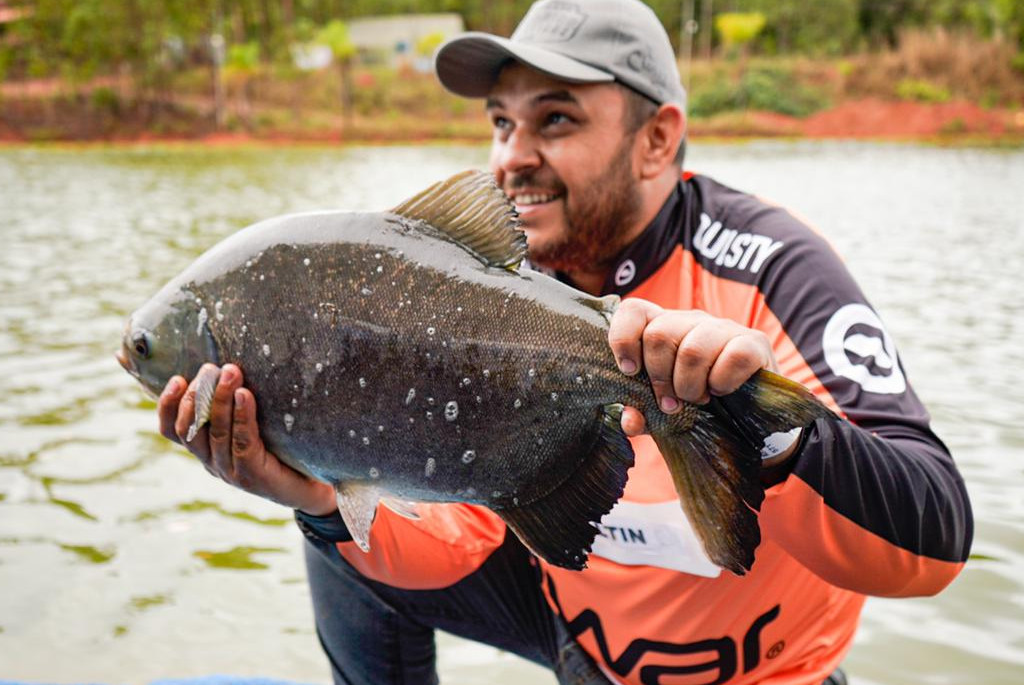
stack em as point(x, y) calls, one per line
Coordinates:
point(402, 356)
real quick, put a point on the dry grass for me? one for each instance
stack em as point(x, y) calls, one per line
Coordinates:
point(958, 64)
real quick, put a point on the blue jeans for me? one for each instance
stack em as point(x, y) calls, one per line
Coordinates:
point(375, 634)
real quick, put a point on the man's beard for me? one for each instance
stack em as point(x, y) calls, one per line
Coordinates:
point(598, 217)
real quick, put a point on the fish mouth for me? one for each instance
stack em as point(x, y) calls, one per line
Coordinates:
point(126, 364)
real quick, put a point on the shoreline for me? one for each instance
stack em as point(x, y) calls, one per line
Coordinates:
point(957, 123)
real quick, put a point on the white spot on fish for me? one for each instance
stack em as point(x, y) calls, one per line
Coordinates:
point(248, 263)
point(262, 277)
point(266, 350)
point(203, 317)
point(366, 440)
point(380, 429)
point(540, 441)
point(466, 381)
point(579, 380)
point(451, 411)
point(458, 309)
point(366, 291)
point(306, 261)
point(518, 403)
point(362, 382)
point(380, 269)
point(289, 421)
point(410, 396)
point(431, 330)
point(295, 402)
point(216, 308)
point(430, 401)
point(431, 466)
point(245, 328)
point(374, 472)
point(515, 500)
point(531, 373)
point(430, 416)
point(496, 494)
point(487, 373)
point(319, 367)
point(468, 456)
point(376, 255)
point(554, 397)
point(351, 434)
point(479, 400)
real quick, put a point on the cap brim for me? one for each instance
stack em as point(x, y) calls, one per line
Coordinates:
point(469, 64)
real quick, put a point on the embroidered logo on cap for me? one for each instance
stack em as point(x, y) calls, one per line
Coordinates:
point(552, 22)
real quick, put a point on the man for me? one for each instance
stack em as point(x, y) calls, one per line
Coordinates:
point(588, 122)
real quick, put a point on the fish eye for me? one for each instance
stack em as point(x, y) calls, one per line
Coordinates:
point(141, 345)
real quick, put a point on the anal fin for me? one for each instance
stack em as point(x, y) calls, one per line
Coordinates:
point(206, 383)
point(560, 526)
point(357, 504)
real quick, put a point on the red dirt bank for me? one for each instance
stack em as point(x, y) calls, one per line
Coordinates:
point(861, 119)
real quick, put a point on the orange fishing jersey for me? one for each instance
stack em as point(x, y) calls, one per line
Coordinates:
point(872, 505)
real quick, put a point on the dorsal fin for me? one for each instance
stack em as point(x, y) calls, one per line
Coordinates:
point(472, 210)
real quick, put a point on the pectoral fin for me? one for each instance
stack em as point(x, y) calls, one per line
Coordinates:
point(358, 505)
point(560, 527)
point(206, 383)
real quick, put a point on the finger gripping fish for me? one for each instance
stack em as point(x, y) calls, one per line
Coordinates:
point(404, 356)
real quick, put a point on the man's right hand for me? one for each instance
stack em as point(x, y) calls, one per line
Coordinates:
point(230, 447)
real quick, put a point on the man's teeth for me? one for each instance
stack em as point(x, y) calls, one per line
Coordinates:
point(534, 199)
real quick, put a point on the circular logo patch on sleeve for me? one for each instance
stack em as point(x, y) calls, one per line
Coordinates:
point(858, 347)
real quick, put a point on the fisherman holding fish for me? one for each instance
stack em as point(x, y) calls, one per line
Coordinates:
point(588, 138)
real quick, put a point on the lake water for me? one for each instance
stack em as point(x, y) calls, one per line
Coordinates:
point(122, 561)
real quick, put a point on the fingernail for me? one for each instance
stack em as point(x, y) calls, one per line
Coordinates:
point(239, 399)
point(172, 386)
point(227, 374)
point(627, 366)
point(669, 404)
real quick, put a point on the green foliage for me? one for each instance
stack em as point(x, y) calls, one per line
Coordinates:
point(335, 36)
point(105, 100)
point(760, 88)
point(739, 28)
point(1018, 62)
point(814, 28)
point(243, 56)
point(921, 91)
point(426, 45)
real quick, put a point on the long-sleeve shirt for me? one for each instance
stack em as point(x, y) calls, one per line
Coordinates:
point(869, 506)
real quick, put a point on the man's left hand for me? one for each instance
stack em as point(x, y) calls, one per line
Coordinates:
point(688, 355)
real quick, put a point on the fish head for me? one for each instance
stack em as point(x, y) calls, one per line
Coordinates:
point(167, 336)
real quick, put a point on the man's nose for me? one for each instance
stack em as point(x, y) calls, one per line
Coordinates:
point(517, 152)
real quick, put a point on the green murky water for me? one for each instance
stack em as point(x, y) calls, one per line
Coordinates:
point(122, 561)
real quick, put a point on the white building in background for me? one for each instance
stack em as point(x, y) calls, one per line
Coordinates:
point(392, 39)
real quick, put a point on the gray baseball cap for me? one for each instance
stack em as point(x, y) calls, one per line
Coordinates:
point(578, 41)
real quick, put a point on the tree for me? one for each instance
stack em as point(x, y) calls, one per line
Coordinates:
point(336, 37)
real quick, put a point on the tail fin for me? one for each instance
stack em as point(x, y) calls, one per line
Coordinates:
point(559, 527)
point(715, 460)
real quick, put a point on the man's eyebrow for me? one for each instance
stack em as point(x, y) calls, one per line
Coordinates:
point(550, 96)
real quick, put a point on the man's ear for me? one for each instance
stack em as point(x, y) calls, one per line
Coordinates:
point(659, 140)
